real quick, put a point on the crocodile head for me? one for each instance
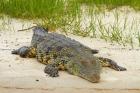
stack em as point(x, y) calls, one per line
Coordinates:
point(25, 52)
point(87, 69)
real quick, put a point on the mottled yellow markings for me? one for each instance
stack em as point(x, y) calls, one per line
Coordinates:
point(104, 62)
point(32, 52)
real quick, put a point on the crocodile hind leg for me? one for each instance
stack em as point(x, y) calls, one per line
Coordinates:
point(106, 62)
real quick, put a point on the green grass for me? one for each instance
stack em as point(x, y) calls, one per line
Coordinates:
point(31, 8)
point(43, 8)
point(67, 15)
point(113, 3)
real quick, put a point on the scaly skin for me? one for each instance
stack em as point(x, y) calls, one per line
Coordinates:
point(62, 53)
point(68, 58)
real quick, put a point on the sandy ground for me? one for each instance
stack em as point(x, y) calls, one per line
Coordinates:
point(19, 75)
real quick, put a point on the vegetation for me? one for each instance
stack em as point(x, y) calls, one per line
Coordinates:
point(43, 8)
point(69, 16)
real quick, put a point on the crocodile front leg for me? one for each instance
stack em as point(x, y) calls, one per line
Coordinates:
point(106, 62)
point(51, 70)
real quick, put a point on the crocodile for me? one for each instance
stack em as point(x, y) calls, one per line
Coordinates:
point(59, 52)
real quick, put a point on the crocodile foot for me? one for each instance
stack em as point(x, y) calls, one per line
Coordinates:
point(51, 70)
